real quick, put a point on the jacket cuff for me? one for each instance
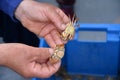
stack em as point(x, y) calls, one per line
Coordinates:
point(9, 7)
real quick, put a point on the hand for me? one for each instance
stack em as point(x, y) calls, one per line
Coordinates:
point(42, 19)
point(27, 61)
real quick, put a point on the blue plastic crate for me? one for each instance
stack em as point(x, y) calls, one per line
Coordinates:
point(88, 54)
point(51, 78)
point(94, 50)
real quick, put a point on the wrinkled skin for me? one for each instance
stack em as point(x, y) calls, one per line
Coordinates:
point(45, 21)
point(28, 61)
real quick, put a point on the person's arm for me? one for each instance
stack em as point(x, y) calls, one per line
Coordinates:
point(27, 60)
point(9, 6)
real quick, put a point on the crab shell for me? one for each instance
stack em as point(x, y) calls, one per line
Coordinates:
point(58, 54)
point(69, 32)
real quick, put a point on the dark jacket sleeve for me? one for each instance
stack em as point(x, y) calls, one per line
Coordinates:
point(9, 6)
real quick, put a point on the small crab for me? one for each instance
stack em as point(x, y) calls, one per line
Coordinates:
point(58, 54)
point(68, 33)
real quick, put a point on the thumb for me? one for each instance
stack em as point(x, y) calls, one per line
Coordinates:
point(43, 54)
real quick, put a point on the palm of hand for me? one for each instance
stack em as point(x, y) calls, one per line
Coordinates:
point(45, 29)
point(42, 19)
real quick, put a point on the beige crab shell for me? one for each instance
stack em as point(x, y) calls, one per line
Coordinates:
point(68, 33)
point(58, 54)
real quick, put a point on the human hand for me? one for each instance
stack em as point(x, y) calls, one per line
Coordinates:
point(27, 61)
point(43, 19)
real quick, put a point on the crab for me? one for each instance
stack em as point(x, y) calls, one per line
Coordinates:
point(58, 54)
point(68, 33)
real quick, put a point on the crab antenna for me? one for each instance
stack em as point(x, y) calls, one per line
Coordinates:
point(73, 19)
point(70, 19)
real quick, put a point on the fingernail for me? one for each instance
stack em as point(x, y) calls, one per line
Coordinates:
point(51, 51)
point(63, 26)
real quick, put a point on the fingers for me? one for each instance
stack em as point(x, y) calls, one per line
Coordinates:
point(53, 38)
point(56, 37)
point(50, 40)
point(63, 15)
point(46, 30)
point(46, 70)
point(56, 18)
point(43, 54)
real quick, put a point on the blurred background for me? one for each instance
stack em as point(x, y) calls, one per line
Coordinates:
point(87, 11)
point(95, 11)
